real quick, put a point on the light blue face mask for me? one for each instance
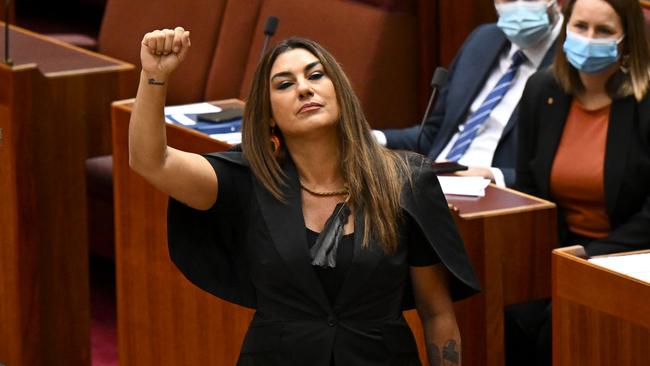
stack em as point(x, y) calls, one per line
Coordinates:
point(525, 23)
point(590, 55)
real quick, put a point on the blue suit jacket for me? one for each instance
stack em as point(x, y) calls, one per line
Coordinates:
point(468, 73)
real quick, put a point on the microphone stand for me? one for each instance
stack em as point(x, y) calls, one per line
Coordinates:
point(438, 81)
point(269, 30)
point(265, 45)
point(7, 59)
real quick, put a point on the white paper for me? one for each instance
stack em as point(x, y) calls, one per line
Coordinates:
point(231, 138)
point(181, 119)
point(643, 276)
point(633, 265)
point(464, 186)
point(177, 113)
point(193, 108)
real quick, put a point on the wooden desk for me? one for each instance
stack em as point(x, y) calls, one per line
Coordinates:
point(600, 317)
point(162, 317)
point(509, 237)
point(54, 113)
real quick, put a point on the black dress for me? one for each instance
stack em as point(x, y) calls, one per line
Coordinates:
point(252, 249)
point(419, 254)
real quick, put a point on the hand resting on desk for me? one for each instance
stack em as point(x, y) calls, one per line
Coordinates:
point(476, 171)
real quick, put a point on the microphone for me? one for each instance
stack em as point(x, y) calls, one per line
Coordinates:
point(270, 27)
point(7, 59)
point(438, 81)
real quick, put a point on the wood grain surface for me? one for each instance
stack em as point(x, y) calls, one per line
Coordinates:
point(49, 125)
point(600, 317)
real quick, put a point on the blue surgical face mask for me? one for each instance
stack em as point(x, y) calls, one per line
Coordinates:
point(590, 55)
point(525, 23)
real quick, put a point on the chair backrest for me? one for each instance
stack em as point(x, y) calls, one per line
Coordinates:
point(377, 49)
point(230, 58)
point(126, 21)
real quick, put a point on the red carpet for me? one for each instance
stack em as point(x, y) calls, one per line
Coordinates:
point(104, 320)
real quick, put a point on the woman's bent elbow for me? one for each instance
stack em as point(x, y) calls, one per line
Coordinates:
point(134, 163)
point(139, 166)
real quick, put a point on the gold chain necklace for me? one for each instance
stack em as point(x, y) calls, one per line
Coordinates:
point(341, 192)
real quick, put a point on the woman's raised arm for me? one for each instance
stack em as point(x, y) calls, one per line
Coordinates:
point(187, 177)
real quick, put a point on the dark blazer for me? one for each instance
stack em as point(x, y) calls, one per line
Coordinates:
point(251, 249)
point(468, 73)
point(543, 112)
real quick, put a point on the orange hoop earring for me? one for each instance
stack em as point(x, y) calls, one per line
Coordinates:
point(275, 143)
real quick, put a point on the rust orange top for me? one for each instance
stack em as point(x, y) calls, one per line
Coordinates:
point(577, 175)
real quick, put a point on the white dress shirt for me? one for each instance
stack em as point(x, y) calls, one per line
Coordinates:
point(481, 151)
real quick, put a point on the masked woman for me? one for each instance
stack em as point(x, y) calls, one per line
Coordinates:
point(584, 136)
point(584, 143)
point(326, 234)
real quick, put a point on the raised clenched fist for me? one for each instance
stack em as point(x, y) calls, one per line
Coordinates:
point(162, 51)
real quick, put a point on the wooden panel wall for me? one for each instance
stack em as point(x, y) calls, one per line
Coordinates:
point(456, 20)
point(49, 124)
point(600, 317)
point(163, 319)
point(44, 262)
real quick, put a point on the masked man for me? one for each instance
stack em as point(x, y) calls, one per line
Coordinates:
point(474, 120)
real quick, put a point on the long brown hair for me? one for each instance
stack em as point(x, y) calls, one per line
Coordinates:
point(636, 54)
point(373, 173)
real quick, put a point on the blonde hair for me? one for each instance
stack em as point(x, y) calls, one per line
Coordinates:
point(374, 174)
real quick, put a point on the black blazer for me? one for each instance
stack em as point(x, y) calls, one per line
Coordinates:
point(543, 112)
point(251, 249)
point(467, 75)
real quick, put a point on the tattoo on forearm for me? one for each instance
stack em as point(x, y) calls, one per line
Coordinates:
point(434, 354)
point(155, 82)
point(450, 353)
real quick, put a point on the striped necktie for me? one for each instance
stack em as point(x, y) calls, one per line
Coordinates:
point(478, 118)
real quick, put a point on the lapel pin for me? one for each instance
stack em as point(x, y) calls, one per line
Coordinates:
point(549, 100)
